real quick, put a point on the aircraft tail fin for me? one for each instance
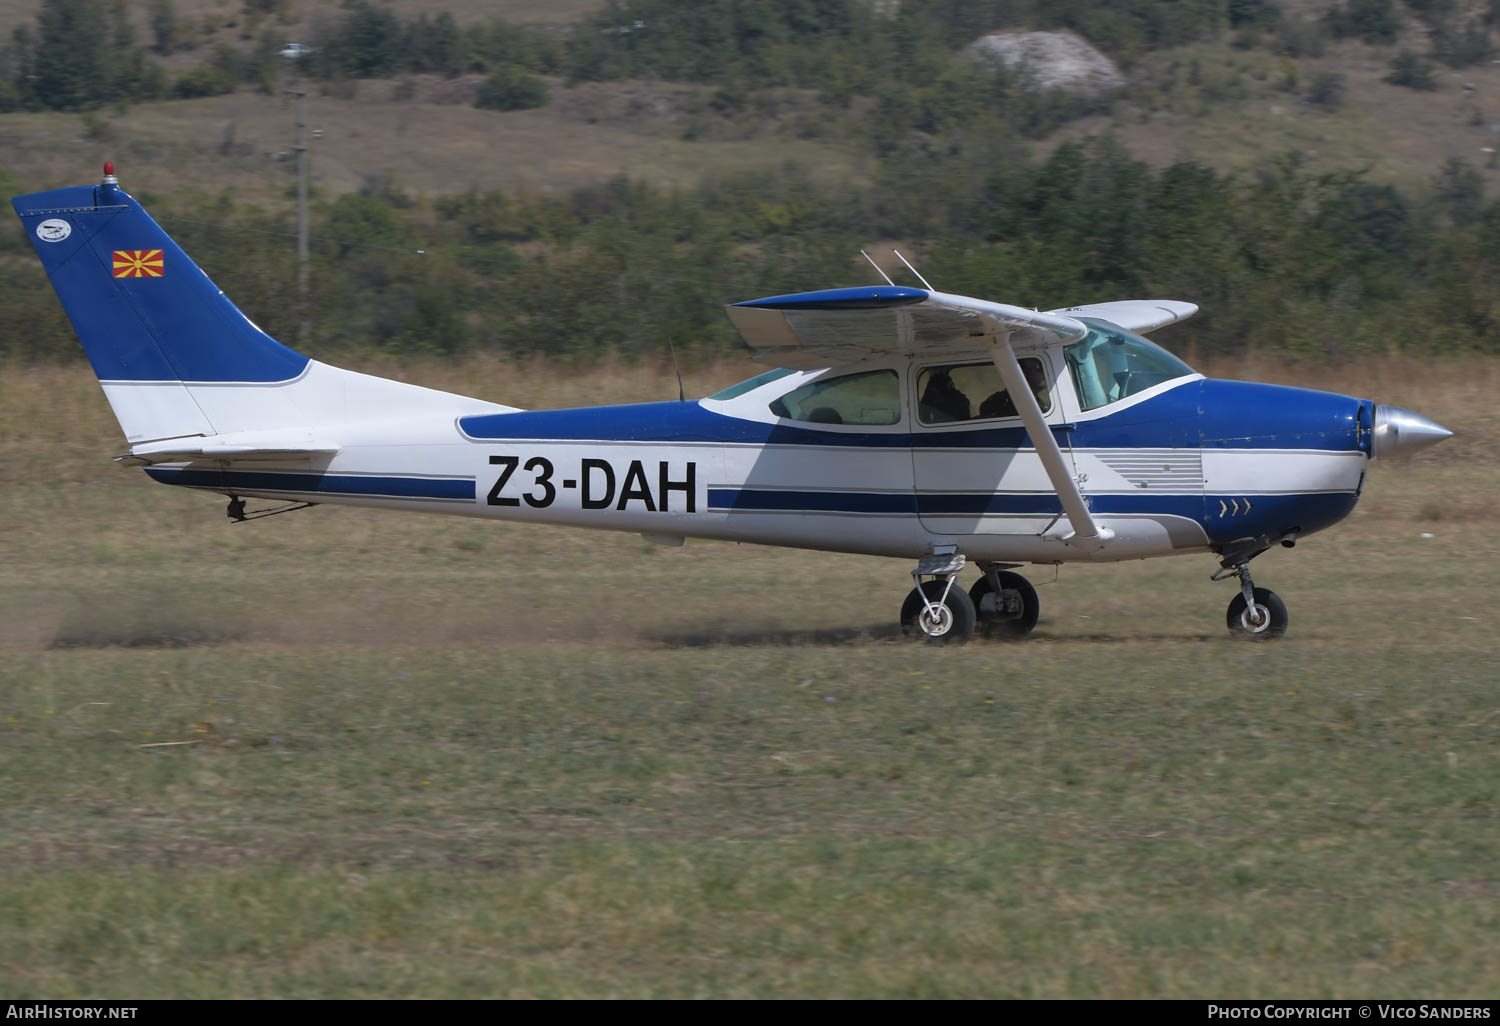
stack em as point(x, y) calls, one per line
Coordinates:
point(176, 358)
point(145, 313)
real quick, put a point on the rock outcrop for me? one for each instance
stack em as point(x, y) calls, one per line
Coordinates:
point(1050, 60)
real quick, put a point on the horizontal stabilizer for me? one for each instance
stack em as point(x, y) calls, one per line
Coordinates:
point(225, 449)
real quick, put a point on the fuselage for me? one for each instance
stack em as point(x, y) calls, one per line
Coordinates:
point(1183, 465)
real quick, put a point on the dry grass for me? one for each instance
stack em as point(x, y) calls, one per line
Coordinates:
point(448, 758)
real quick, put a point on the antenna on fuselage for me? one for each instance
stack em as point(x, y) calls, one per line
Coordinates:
point(877, 268)
point(913, 270)
point(681, 394)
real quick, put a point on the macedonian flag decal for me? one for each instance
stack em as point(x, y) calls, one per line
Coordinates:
point(139, 263)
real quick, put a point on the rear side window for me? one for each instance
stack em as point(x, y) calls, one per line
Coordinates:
point(870, 398)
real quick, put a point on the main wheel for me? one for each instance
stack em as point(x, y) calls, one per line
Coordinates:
point(954, 622)
point(1267, 620)
point(1012, 612)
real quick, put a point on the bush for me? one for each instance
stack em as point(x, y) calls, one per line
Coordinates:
point(1326, 90)
point(511, 88)
point(1410, 69)
point(1374, 21)
point(1255, 13)
point(1300, 37)
point(207, 79)
point(1459, 49)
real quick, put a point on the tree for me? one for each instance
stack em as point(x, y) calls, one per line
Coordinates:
point(73, 58)
point(162, 17)
point(445, 46)
point(371, 46)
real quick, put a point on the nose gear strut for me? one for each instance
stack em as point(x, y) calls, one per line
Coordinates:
point(1254, 612)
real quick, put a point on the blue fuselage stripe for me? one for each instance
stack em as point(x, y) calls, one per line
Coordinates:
point(813, 501)
point(332, 484)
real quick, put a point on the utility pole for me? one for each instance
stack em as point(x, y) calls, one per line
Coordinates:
point(305, 327)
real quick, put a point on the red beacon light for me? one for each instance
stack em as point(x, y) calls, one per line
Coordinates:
point(109, 169)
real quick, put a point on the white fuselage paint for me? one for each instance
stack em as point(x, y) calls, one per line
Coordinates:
point(393, 436)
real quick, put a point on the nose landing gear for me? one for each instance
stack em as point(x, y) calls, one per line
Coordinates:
point(1254, 612)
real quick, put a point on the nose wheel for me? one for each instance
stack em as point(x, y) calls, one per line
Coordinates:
point(1254, 612)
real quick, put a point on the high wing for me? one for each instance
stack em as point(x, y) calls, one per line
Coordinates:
point(819, 329)
point(1138, 315)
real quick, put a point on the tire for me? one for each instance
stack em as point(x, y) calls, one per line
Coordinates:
point(996, 621)
point(957, 615)
point(1274, 622)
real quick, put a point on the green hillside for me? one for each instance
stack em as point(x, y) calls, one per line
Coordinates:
point(1316, 175)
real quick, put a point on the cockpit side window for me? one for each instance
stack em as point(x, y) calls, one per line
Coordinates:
point(973, 391)
point(1110, 364)
point(870, 398)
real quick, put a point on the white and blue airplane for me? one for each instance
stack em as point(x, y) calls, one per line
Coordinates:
point(899, 422)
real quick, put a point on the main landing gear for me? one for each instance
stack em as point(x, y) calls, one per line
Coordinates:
point(1255, 612)
point(1000, 604)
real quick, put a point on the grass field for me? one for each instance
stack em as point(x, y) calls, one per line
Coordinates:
point(347, 753)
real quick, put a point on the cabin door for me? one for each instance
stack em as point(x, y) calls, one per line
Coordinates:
point(975, 470)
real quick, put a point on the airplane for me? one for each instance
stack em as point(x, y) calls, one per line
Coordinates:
point(898, 421)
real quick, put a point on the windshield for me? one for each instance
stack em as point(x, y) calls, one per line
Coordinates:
point(749, 384)
point(1110, 364)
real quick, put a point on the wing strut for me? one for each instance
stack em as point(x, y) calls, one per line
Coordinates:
point(1086, 534)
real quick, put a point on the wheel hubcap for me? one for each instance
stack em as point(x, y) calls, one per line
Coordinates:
point(1255, 619)
point(1006, 606)
point(936, 627)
